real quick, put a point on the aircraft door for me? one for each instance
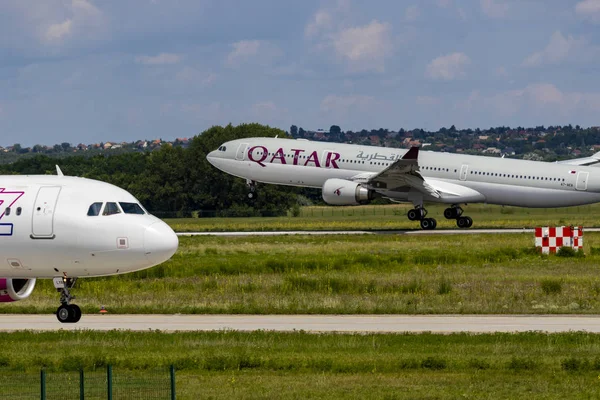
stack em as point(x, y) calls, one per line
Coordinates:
point(42, 225)
point(463, 172)
point(241, 152)
point(582, 180)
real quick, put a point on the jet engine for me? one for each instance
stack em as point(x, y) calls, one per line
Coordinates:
point(15, 289)
point(340, 192)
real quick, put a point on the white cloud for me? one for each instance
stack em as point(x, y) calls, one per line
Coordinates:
point(56, 32)
point(448, 67)
point(412, 13)
point(160, 59)
point(589, 9)
point(195, 76)
point(321, 21)
point(339, 106)
point(542, 99)
point(494, 8)
point(364, 48)
point(427, 100)
point(84, 20)
point(256, 51)
point(333, 32)
point(558, 49)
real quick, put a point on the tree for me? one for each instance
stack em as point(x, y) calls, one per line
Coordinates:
point(294, 130)
point(335, 130)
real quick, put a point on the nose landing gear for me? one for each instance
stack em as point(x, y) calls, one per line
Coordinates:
point(252, 187)
point(66, 313)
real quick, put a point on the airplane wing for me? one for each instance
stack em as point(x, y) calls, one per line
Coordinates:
point(401, 174)
point(585, 161)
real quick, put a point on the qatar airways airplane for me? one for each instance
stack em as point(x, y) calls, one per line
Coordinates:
point(351, 174)
point(64, 228)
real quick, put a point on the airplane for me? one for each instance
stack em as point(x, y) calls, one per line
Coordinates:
point(64, 228)
point(350, 174)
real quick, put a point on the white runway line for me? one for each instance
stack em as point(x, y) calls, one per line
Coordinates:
point(312, 323)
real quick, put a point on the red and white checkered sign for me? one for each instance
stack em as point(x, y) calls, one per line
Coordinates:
point(549, 238)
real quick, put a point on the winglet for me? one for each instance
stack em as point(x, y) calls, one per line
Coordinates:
point(411, 154)
point(59, 172)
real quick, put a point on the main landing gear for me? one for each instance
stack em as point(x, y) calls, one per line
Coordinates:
point(420, 214)
point(252, 187)
point(66, 313)
point(455, 212)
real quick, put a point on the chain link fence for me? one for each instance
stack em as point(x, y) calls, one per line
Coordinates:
point(106, 384)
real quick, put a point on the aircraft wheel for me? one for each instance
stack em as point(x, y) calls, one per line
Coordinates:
point(413, 214)
point(64, 313)
point(450, 213)
point(428, 224)
point(464, 222)
point(76, 312)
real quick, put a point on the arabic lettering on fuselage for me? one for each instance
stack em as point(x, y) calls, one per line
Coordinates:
point(328, 159)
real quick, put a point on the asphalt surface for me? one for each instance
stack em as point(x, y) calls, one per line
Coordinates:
point(311, 323)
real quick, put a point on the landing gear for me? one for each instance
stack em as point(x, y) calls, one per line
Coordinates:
point(464, 222)
point(252, 187)
point(66, 313)
point(455, 212)
point(419, 214)
point(428, 223)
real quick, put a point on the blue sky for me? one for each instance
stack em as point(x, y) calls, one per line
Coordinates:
point(99, 70)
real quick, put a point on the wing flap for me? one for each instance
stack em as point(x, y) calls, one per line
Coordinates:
point(401, 174)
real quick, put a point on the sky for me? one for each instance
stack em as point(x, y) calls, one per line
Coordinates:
point(88, 71)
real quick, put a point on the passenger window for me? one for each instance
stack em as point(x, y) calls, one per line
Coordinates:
point(7, 211)
point(19, 209)
point(111, 209)
point(94, 210)
point(132, 208)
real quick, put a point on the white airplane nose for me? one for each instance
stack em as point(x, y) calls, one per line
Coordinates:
point(211, 156)
point(160, 242)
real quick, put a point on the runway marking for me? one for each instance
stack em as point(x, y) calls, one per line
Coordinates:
point(312, 323)
point(376, 232)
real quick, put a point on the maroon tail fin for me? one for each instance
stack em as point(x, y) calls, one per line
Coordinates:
point(411, 154)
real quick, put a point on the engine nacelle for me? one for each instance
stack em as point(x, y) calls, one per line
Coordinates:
point(340, 192)
point(15, 289)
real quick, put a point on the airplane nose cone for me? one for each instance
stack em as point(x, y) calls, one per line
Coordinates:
point(160, 242)
point(211, 156)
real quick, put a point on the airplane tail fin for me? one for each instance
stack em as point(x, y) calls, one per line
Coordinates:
point(59, 171)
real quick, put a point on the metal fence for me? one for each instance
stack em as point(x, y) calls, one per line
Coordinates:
point(89, 385)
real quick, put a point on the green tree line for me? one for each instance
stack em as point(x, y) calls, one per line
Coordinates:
point(175, 181)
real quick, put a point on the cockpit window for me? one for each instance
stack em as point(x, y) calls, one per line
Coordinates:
point(111, 209)
point(222, 148)
point(132, 208)
point(94, 210)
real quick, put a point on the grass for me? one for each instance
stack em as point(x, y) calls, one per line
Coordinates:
point(288, 365)
point(346, 274)
point(392, 217)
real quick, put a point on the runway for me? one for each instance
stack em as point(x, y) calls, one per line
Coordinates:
point(311, 323)
point(392, 232)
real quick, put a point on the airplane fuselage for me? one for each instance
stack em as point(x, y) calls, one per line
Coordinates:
point(494, 180)
point(65, 226)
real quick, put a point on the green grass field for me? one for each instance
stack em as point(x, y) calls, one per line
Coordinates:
point(391, 217)
point(224, 365)
point(347, 274)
